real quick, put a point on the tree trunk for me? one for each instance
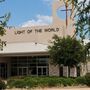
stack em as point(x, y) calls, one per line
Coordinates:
point(68, 71)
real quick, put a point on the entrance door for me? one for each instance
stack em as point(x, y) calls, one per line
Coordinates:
point(3, 70)
point(22, 71)
point(42, 70)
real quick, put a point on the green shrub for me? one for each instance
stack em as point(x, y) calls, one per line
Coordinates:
point(19, 84)
point(51, 82)
point(10, 83)
point(31, 82)
point(69, 82)
point(66, 81)
point(87, 77)
point(2, 85)
point(81, 80)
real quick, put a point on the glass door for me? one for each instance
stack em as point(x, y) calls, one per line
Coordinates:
point(42, 70)
point(3, 70)
point(22, 71)
point(39, 71)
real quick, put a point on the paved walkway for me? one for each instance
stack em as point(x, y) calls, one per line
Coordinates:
point(64, 89)
point(54, 89)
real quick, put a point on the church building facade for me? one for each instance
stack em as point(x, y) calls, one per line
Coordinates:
point(26, 51)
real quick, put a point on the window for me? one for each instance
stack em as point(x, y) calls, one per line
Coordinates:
point(36, 65)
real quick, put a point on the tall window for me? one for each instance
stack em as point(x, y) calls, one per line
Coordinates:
point(36, 65)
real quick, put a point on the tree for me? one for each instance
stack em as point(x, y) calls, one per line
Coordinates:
point(66, 51)
point(87, 54)
point(81, 10)
point(3, 23)
point(87, 50)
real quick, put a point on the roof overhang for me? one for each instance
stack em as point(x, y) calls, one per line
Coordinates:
point(24, 49)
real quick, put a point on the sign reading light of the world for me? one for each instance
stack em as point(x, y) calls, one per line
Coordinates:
point(18, 32)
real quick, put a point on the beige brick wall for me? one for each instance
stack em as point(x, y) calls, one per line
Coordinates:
point(73, 72)
point(53, 70)
point(88, 67)
point(65, 71)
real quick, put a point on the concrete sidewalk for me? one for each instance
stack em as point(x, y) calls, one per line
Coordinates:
point(71, 88)
point(63, 89)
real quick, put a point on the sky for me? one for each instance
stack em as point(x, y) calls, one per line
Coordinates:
point(26, 13)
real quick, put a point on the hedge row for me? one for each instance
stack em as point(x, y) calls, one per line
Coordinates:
point(2, 85)
point(30, 82)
